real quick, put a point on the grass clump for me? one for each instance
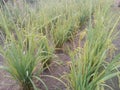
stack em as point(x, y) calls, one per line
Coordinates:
point(44, 15)
point(62, 31)
point(89, 69)
point(24, 55)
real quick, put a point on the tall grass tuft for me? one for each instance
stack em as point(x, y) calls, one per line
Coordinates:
point(89, 69)
point(23, 54)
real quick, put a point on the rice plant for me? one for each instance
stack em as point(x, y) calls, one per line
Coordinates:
point(25, 49)
point(62, 30)
point(31, 29)
point(88, 68)
point(64, 16)
point(23, 54)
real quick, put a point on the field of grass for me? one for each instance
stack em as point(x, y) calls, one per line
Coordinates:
point(32, 31)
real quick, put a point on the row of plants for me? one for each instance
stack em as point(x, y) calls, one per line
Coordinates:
point(89, 68)
point(32, 32)
point(45, 16)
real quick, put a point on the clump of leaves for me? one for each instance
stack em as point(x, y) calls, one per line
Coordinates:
point(62, 30)
point(23, 53)
point(88, 68)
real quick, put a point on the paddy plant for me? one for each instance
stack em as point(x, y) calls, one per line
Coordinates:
point(89, 69)
point(34, 31)
point(62, 30)
point(54, 17)
point(24, 56)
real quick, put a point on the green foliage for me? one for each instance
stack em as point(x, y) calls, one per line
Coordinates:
point(23, 54)
point(64, 16)
point(32, 31)
point(62, 30)
point(89, 69)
